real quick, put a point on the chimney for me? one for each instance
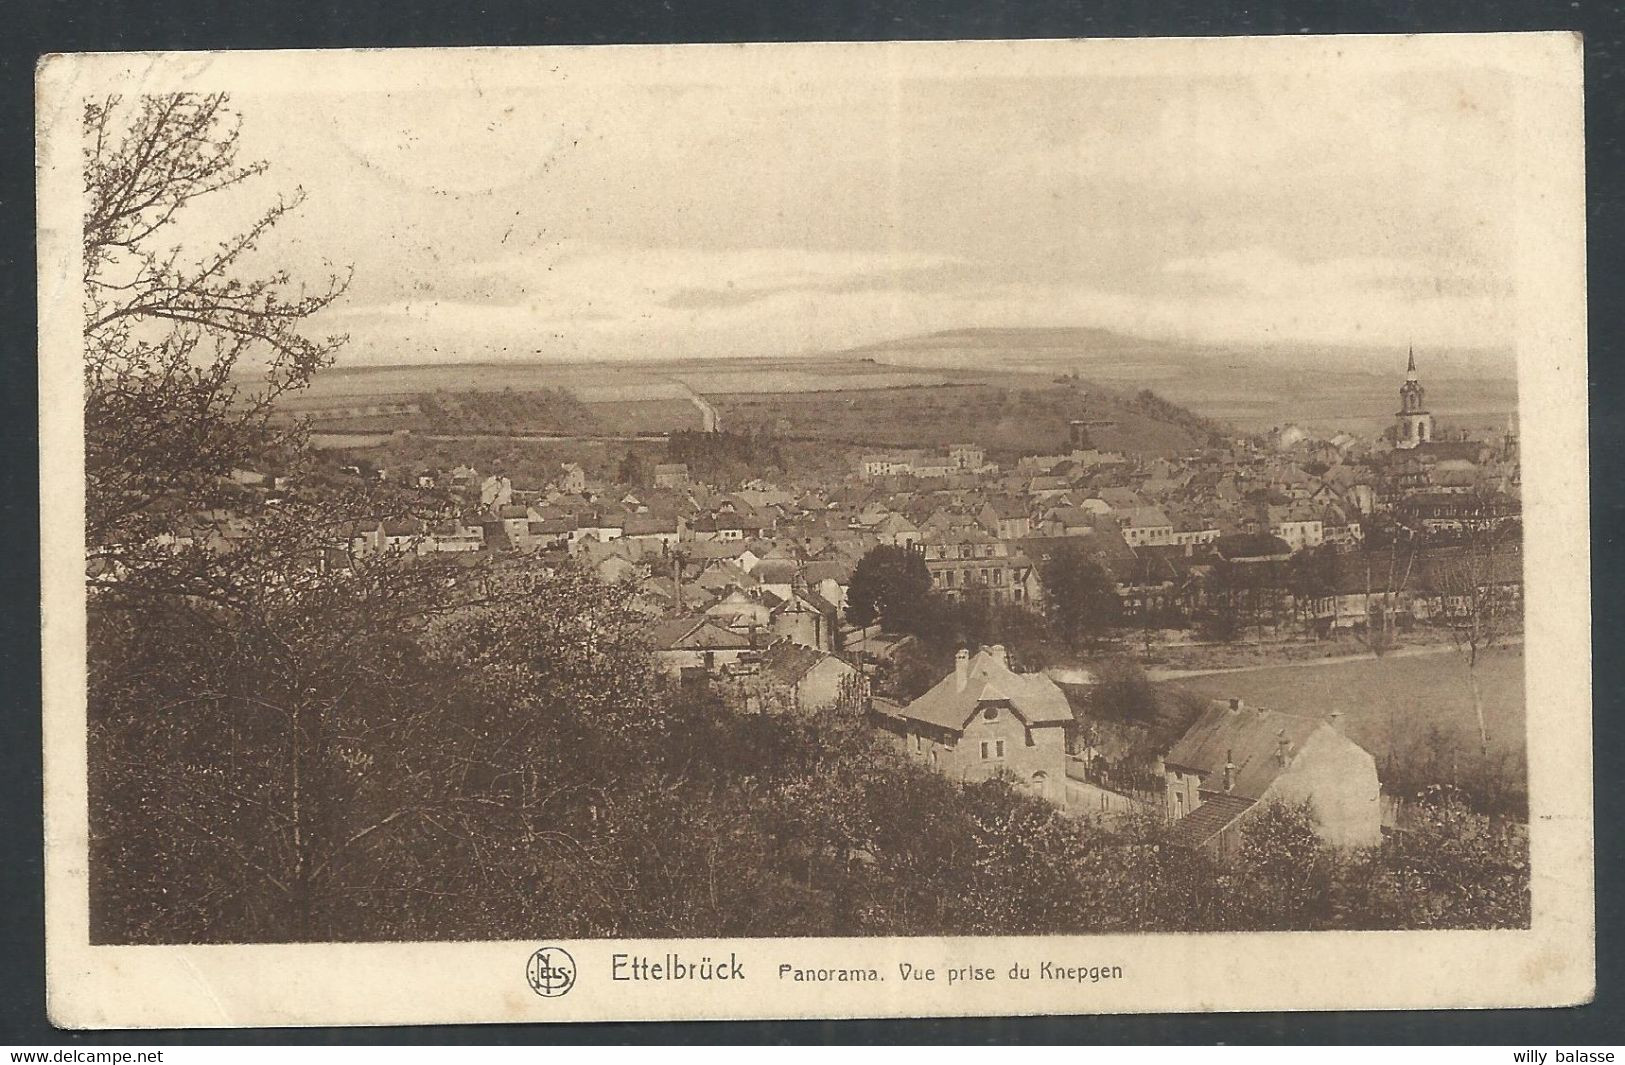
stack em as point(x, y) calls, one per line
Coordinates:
point(962, 668)
point(1235, 706)
point(1281, 747)
point(1229, 771)
point(1337, 720)
point(998, 655)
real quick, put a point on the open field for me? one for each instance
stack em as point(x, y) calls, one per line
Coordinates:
point(1250, 390)
point(1388, 704)
point(644, 415)
point(607, 382)
point(1006, 420)
point(1254, 390)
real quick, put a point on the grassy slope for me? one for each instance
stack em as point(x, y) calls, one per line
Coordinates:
point(1389, 703)
point(1006, 420)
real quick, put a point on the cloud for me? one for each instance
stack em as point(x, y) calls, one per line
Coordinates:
point(1268, 273)
point(572, 282)
point(910, 278)
point(603, 301)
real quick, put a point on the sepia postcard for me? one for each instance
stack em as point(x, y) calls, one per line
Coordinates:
point(815, 530)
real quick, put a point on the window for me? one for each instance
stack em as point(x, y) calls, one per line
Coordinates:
point(984, 750)
point(998, 749)
point(919, 742)
point(991, 713)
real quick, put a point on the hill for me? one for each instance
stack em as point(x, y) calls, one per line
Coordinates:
point(1007, 420)
point(1253, 389)
point(929, 389)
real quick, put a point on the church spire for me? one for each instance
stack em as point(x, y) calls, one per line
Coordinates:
point(1415, 424)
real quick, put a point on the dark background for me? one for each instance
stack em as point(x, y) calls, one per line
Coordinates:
point(35, 27)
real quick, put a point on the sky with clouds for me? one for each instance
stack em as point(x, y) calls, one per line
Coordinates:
point(762, 208)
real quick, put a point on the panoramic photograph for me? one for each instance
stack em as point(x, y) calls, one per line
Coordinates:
point(828, 502)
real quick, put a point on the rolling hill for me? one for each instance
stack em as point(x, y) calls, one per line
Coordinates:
point(1010, 385)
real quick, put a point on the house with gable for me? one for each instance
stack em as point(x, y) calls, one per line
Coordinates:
point(897, 530)
point(830, 579)
point(457, 536)
point(671, 475)
point(743, 612)
point(696, 647)
point(804, 617)
point(1145, 526)
point(602, 525)
point(1006, 518)
point(512, 522)
point(664, 529)
point(984, 719)
point(1236, 760)
point(571, 478)
point(1299, 524)
point(802, 679)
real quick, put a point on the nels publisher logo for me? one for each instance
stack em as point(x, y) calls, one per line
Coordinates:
point(551, 972)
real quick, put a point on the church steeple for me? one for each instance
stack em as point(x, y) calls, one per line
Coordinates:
point(1413, 424)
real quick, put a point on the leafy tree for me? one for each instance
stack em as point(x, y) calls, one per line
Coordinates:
point(1385, 575)
point(1476, 606)
point(890, 585)
point(1312, 575)
point(1021, 877)
point(1123, 692)
point(917, 669)
point(170, 339)
point(1241, 595)
point(1284, 870)
point(1080, 596)
point(725, 457)
point(234, 661)
point(1451, 868)
point(1221, 621)
point(634, 469)
point(233, 743)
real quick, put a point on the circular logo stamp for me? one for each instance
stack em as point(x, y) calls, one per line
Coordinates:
point(551, 972)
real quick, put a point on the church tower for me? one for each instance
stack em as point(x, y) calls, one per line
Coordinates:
point(1413, 424)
